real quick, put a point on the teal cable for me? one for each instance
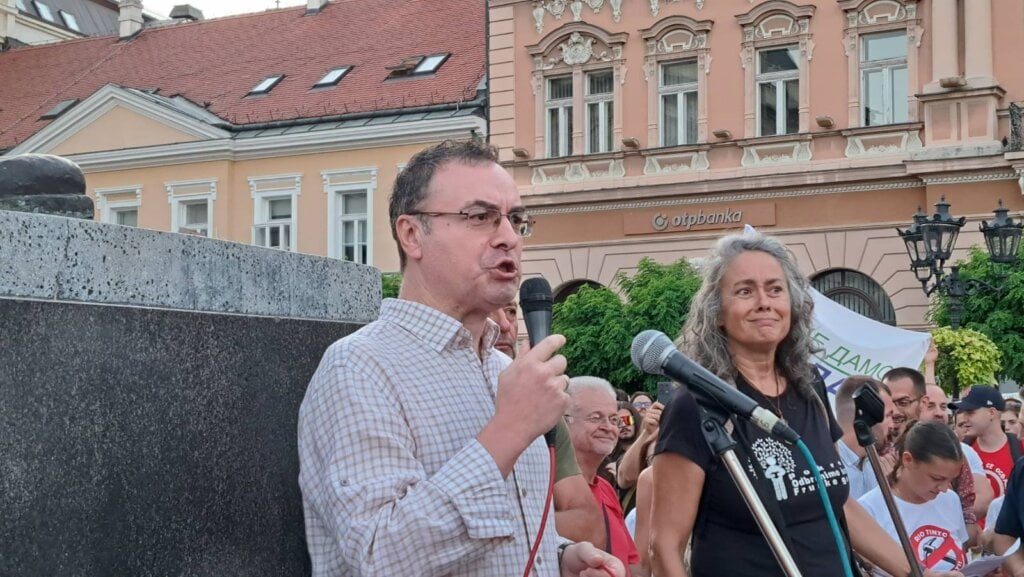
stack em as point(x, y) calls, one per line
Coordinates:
point(832, 523)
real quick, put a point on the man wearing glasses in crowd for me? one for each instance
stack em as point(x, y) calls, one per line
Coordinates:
point(451, 477)
point(594, 427)
point(908, 388)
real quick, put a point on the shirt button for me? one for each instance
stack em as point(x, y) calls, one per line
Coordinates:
point(344, 482)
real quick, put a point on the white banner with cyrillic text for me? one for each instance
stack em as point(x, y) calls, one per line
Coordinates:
point(853, 344)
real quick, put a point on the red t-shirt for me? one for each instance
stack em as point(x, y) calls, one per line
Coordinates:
point(620, 544)
point(998, 465)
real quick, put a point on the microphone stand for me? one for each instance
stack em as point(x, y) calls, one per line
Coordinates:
point(712, 424)
point(866, 439)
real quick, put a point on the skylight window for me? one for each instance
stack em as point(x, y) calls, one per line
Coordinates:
point(44, 11)
point(70, 21)
point(60, 108)
point(266, 85)
point(418, 66)
point(332, 77)
point(430, 64)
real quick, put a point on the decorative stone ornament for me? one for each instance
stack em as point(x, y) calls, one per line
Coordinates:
point(557, 8)
point(44, 184)
point(577, 10)
point(577, 50)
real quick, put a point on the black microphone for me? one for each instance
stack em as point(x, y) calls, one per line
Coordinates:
point(654, 353)
point(535, 300)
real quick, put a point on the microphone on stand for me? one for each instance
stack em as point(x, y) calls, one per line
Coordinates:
point(535, 299)
point(655, 354)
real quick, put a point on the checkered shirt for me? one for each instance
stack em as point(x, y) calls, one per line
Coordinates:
point(394, 482)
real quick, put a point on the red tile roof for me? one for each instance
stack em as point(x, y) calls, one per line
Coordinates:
point(215, 63)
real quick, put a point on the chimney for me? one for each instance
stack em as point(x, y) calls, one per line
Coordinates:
point(130, 18)
point(186, 12)
point(314, 6)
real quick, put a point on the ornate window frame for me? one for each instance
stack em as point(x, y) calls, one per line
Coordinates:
point(575, 49)
point(184, 192)
point(774, 24)
point(672, 39)
point(263, 189)
point(338, 182)
point(112, 200)
point(870, 17)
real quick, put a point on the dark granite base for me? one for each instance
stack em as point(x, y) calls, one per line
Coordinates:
point(143, 442)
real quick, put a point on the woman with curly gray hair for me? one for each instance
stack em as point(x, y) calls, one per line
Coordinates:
point(751, 324)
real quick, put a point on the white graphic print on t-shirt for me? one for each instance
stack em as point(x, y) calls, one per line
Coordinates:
point(778, 466)
point(776, 461)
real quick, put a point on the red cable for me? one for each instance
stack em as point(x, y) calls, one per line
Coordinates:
point(544, 517)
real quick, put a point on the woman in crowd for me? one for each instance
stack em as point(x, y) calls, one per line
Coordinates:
point(750, 323)
point(928, 460)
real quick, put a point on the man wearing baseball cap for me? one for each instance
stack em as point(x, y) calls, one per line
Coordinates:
point(982, 408)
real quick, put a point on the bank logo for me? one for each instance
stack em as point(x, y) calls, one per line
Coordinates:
point(688, 220)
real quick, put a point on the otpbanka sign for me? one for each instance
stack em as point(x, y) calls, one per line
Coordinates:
point(706, 217)
point(686, 221)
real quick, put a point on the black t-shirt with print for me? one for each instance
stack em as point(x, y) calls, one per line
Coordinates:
point(726, 539)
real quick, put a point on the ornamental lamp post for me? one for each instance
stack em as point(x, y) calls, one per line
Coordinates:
point(930, 242)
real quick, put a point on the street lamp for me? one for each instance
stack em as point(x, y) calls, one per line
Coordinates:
point(930, 242)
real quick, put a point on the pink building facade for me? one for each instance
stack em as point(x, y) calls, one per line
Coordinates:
point(651, 127)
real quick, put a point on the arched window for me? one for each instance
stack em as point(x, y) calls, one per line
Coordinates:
point(572, 287)
point(857, 292)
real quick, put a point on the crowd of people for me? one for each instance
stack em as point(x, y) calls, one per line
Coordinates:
point(452, 478)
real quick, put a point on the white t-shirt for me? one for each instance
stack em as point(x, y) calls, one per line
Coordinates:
point(973, 460)
point(990, 522)
point(936, 529)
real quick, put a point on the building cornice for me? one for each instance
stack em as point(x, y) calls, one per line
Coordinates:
point(732, 197)
point(964, 178)
point(396, 134)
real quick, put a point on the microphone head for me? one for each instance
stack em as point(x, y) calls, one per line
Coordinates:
point(649, 351)
point(535, 295)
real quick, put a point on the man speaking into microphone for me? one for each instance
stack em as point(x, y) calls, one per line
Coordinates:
point(421, 450)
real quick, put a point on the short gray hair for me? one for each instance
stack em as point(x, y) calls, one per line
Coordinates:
point(702, 337)
point(577, 384)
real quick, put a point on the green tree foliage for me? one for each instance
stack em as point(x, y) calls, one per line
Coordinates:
point(599, 326)
point(390, 283)
point(966, 357)
point(997, 314)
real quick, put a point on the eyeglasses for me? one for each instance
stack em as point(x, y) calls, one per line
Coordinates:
point(642, 405)
point(627, 421)
point(488, 219)
point(905, 402)
point(598, 420)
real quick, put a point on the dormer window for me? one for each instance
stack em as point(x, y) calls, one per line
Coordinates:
point(70, 21)
point(418, 66)
point(333, 77)
point(58, 109)
point(44, 11)
point(266, 85)
point(21, 6)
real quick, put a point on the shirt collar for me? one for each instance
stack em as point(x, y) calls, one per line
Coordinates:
point(850, 459)
point(439, 331)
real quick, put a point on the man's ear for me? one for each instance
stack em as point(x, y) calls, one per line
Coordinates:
point(409, 233)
